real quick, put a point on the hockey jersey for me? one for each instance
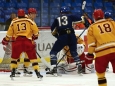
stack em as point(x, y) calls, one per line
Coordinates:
point(22, 27)
point(101, 37)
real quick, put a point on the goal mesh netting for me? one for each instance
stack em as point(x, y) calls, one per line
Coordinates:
point(5, 63)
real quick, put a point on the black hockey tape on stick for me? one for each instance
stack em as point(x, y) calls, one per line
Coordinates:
point(38, 55)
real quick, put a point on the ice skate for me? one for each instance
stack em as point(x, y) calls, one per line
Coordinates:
point(83, 71)
point(52, 72)
point(17, 73)
point(12, 73)
point(38, 74)
point(27, 73)
point(80, 69)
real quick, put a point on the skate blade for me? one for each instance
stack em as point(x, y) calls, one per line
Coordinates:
point(27, 75)
point(17, 75)
point(40, 79)
point(53, 75)
point(12, 78)
point(80, 74)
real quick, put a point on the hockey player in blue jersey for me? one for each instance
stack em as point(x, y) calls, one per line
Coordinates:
point(62, 29)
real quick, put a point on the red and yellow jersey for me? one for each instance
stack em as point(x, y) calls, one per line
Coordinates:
point(101, 37)
point(79, 41)
point(22, 27)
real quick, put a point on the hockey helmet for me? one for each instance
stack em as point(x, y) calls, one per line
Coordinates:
point(98, 14)
point(108, 14)
point(64, 9)
point(32, 10)
point(21, 12)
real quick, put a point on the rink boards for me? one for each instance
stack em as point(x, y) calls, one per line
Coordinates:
point(44, 43)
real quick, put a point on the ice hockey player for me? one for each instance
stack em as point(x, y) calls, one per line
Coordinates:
point(108, 15)
point(63, 31)
point(31, 15)
point(101, 41)
point(25, 31)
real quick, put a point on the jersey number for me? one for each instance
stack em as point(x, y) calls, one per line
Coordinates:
point(21, 26)
point(106, 26)
point(62, 20)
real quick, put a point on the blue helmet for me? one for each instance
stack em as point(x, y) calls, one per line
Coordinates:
point(64, 9)
point(108, 14)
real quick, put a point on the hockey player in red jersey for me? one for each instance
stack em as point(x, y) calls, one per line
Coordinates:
point(25, 31)
point(101, 41)
point(31, 15)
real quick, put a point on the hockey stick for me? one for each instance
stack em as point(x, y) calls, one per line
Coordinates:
point(83, 7)
point(44, 61)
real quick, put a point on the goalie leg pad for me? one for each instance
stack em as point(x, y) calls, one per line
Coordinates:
point(82, 57)
point(89, 68)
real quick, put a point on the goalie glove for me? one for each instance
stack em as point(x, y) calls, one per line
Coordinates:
point(80, 48)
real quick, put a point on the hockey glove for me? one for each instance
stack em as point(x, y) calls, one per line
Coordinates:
point(34, 43)
point(87, 24)
point(34, 37)
point(4, 41)
point(56, 36)
point(89, 58)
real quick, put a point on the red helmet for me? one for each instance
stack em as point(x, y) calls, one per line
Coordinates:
point(21, 12)
point(32, 10)
point(98, 14)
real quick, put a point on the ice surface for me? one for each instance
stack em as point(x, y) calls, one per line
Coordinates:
point(64, 80)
